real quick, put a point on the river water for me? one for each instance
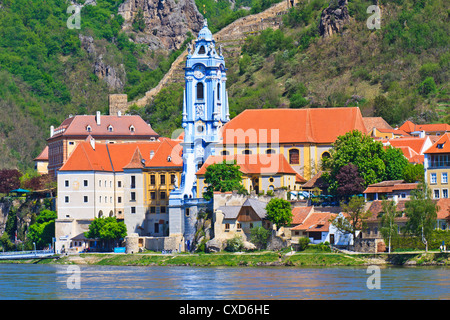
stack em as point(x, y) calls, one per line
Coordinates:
point(51, 282)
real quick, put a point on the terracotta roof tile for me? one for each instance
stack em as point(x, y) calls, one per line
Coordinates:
point(318, 125)
point(440, 146)
point(253, 164)
point(77, 126)
point(300, 213)
point(116, 157)
point(375, 122)
point(316, 221)
point(43, 156)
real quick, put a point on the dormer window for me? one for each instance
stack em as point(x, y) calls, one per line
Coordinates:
point(440, 146)
point(202, 50)
point(110, 128)
point(88, 128)
point(132, 128)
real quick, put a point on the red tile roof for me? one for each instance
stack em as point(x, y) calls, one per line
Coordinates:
point(390, 186)
point(43, 156)
point(375, 122)
point(318, 125)
point(316, 221)
point(253, 164)
point(116, 157)
point(77, 126)
point(409, 126)
point(444, 208)
point(442, 145)
point(300, 213)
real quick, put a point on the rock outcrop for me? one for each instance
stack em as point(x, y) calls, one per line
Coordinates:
point(167, 21)
point(334, 18)
point(114, 76)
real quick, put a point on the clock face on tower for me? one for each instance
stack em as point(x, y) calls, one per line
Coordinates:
point(199, 71)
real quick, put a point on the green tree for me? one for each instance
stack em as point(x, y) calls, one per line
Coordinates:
point(388, 226)
point(109, 230)
point(354, 216)
point(395, 163)
point(362, 151)
point(414, 173)
point(422, 213)
point(259, 236)
point(223, 177)
point(427, 87)
point(279, 212)
point(43, 231)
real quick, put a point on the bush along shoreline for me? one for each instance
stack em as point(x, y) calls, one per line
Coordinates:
point(253, 259)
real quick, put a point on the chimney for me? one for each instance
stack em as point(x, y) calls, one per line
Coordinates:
point(97, 118)
point(119, 113)
point(52, 131)
point(152, 153)
point(92, 142)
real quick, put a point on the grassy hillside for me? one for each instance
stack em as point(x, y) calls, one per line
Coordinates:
point(399, 72)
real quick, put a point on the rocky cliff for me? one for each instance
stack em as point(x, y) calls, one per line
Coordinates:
point(334, 18)
point(166, 21)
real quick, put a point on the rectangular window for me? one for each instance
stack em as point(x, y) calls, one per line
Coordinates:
point(152, 179)
point(172, 179)
point(152, 209)
point(119, 199)
point(162, 195)
point(119, 184)
point(444, 193)
point(133, 182)
point(99, 183)
point(156, 227)
point(153, 195)
point(444, 177)
point(85, 198)
point(239, 226)
point(133, 209)
point(163, 178)
point(162, 209)
point(66, 199)
point(433, 178)
point(227, 227)
point(85, 183)
point(66, 183)
point(133, 196)
point(436, 193)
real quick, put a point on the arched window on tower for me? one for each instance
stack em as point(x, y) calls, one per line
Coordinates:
point(200, 94)
point(202, 50)
point(218, 92)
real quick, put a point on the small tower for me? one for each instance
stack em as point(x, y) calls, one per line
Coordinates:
point(205, 111)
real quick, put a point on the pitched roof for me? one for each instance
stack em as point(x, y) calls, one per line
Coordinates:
point(444, 208)
point(316, 221)
point(376, 207)
point(442, 145)
point(375, 122)
point(77, 126)
point(390, 186)
point(258, 206)
point(318, 125)
point(300, 213)
point(409, 127)
point(116, 157)
point(230, 212)
point(265, 164)
point(416, 144)
point(43, 156)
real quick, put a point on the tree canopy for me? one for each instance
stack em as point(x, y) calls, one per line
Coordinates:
point(106, 229)
point(373, 162)
point(279, 212)
point(223, 177)
point(422, 213)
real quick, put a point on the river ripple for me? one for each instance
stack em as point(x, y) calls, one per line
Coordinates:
point(28, 282)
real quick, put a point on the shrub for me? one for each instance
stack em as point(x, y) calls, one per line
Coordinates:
point(234, 244)
point(303, 243)
point(427, 87)
point(259, 236)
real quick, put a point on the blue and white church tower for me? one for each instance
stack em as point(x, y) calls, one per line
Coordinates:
point(205, 111)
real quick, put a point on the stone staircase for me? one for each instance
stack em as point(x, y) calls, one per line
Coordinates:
point(231, 38)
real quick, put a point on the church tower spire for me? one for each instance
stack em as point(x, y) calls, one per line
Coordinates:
point(205, 111)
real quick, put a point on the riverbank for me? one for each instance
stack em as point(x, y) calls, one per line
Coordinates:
point(266, 258)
